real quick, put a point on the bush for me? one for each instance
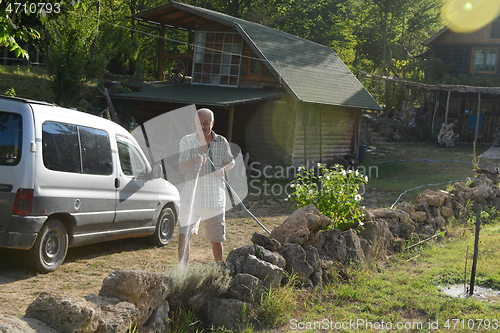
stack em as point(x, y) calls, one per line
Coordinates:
point(335, 192)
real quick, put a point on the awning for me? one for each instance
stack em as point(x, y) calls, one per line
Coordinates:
point(186, 93)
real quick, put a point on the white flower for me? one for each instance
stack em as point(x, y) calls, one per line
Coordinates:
point(343, 173)
point(357, 173)
point(292, 185)
point(357, 197)
point(361, 224)
point(319, 165)
point(350, 171)
point(366, 178)
point(310, 191)
point(286, 199)
point(300, 168)
point(327, 177)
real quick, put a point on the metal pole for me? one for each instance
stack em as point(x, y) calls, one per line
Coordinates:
point(477, 117)
point(237, 197)
point(476, 250)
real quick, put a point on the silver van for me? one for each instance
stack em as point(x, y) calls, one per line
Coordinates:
point(68, 178)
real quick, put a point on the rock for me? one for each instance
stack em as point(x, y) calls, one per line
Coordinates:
point(312, 257)
point(116, 316)
point(266, 272)
point(406, 230)
point(378, 234)
point(426, 229)
point(246, 288)
point(433, 198)
point(446, 212)
point(143, 289)
point(424, 207)
point(384, 212)
point(266, 242)
point(236, 258)
point(334, 246)
point(353, 245)
point(65, 314)
point(368, 215)
point(228, 313)
point(419, 216)
point(393, 224)
point(398, 244)
point(406, 207)
point(447, 138)
point(296, 262)
point(10, 324)
point(492, 171)
point(159, 321)
point(271, 257)
point(368, 249)
point(300, 227)
point(317, 279)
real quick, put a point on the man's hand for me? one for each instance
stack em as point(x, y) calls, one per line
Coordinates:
point(220, 173)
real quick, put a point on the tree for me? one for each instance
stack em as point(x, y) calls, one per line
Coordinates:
point(16, 26)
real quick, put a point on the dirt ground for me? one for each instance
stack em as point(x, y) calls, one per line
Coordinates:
point(85, 267)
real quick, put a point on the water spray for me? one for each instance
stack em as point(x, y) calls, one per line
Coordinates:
point(237, 197)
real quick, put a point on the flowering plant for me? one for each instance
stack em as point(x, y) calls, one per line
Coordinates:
point(335, 192)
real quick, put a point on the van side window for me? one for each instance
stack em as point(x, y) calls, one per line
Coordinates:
point(131, 161)
point(11, 138)
point(61, 150)
point(78, 149)
point(96, 151)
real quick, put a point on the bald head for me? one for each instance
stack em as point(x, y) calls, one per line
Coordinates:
point(204, 113)
point(204, 121)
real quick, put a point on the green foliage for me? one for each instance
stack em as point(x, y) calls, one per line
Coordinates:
point(11, 92)
point(16, 27)
point(335, 192)
point(277, 305)
point(73, 58)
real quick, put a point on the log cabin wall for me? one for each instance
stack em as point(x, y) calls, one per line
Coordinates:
point(330, 133)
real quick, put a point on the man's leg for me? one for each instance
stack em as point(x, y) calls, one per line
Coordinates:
point(183, 248)
point(218, 250)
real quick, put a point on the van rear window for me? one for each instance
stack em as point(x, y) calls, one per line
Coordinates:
point(78, 149)
point(11, 138)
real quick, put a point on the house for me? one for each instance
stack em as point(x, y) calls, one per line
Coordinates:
point(471, 53)
point(283, 99)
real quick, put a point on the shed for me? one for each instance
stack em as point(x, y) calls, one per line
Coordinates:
point(283, 99)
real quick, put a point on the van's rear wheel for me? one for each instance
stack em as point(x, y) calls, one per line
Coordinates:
point(50, 247)
point(164, 227)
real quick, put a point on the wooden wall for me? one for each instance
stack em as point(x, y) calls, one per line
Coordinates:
point(330, 133)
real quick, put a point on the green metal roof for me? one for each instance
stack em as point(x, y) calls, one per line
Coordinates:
point(198, 94)
point(310, 72)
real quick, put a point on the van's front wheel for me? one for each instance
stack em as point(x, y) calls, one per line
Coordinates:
point(164, 227)
point(50, 247)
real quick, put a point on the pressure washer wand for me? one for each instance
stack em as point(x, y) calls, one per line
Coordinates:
point(237, 197)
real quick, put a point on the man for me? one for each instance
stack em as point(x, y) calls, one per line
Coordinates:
point(208, 201)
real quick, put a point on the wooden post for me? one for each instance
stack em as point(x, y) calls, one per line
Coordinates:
point(435, 110)
point(5, 54)
point(230, 124)
point(447, 108)
point(162, 51)
point(478, 113)
point(476, 250)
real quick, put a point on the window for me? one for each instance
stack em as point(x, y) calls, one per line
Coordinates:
point(11, 138)
point(96, 151)
point(217, 58)
point(254, 65)
point(78, 149)
point(495, 29)
point(131, 161)
point(484, 60)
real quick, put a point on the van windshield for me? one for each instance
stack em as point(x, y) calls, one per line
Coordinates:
point(11, 138)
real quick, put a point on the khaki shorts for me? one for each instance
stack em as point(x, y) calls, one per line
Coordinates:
point(214, 225)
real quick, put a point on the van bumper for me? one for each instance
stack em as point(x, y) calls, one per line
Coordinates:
point(21, 232)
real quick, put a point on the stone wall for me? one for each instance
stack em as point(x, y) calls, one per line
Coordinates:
point(223, 294)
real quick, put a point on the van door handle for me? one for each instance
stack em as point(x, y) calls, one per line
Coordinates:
point(117, 182)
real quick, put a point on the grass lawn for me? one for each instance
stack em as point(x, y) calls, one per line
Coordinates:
point(407, 166)
point(403, 291)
